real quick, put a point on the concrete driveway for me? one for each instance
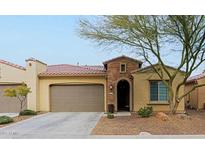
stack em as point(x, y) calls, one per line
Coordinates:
point(53, 125)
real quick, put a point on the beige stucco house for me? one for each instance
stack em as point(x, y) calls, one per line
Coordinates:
point(196, 99)
point(65, 88)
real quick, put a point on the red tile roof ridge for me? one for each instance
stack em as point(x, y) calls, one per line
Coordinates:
point(79, 66)
point(12, 64)
point(73, 70)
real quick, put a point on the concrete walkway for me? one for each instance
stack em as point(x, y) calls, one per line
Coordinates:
point(53, 125)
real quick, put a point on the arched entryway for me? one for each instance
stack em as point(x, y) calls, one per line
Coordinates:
point(123, 95)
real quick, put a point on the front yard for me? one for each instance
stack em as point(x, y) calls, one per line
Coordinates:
point(133, 125)
point(20, 118)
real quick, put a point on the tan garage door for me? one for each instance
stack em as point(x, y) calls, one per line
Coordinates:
point(8, 104)
point(77, 98)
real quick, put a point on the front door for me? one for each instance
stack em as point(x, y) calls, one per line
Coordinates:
point(123, 96)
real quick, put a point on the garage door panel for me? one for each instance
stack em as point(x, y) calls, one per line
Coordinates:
point(77, 98)
point(8, 104)
point(70, 108)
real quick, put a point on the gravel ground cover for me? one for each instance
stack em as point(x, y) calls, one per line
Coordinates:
point(133, 125)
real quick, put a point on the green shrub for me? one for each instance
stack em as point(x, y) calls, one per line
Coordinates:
point(27, 112)
point(145, 111)
point(5, 120)
point(110, 115)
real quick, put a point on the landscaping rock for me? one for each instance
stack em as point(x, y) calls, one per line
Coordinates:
point(184, 116)
point(162, 116)
point(144, 133)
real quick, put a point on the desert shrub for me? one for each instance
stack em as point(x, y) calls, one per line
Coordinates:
point(110, 115)
point(5, 120)
point(27, 112)
point(145, 111)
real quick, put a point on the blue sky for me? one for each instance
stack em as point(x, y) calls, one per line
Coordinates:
point(53, 40)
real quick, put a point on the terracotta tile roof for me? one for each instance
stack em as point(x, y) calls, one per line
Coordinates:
point(123, 56)
point(12, 64)
point(195, 78)
point(73, 70)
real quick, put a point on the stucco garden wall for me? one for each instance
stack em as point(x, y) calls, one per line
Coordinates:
point(192, 97)
point(197, 96)
point(201, 94)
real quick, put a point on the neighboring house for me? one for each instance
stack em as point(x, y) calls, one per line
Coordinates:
point(62, 88)
point(196, 99)
point(11, 75)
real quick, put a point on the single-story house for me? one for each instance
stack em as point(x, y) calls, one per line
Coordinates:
point(195, 99)
point(65, 88)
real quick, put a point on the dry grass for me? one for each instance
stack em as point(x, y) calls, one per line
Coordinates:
point(20, 118)
point(132, 125)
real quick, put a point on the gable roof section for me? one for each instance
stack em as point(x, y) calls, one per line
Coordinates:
point(12, 65)
point(150, 67)
point(123, 56)
point(195, 78)
point(73, 70)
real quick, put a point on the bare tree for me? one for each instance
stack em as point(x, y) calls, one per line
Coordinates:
point(147, 35)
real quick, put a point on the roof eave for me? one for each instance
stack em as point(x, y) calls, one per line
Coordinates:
point(71, 75)
point(146, 68)
point(12, 65)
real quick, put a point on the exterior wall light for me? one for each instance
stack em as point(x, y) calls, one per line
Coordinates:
point(111, 86)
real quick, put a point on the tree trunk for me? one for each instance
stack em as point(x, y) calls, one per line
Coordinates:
point(23, 103)
point(177, 101)
point(21, 106)
point(171, 101)
point(176, 104)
